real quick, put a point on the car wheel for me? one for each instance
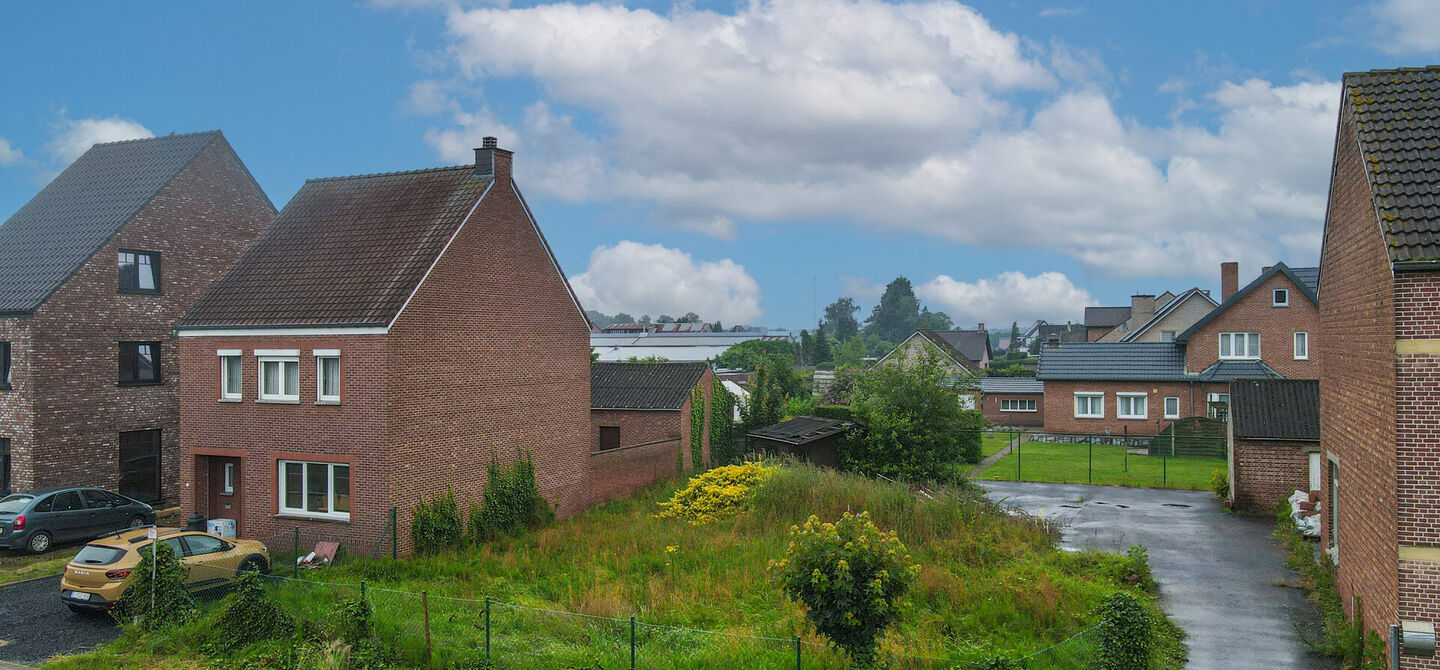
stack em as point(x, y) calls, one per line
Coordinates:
point(254, 563)
point(136, 521)
point(39, 543)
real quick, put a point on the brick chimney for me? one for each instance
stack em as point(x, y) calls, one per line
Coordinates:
point(492, 161)
point(1229, 280)
point(981, 327)
point(1142, 309)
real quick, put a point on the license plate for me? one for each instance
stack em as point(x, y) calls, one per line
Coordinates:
point(78, 595)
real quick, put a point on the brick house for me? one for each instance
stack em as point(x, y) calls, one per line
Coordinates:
point(640, 420)
point(1013, 401)
point(89, 364)
point(1168, 320)
point(364, 353)
point(1380, 359)
point(1273, 441)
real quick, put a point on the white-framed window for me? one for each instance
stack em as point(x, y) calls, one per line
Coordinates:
point(1017, 405)
point(1280, 297)
point(279, 378)
point(1302, 346)
point(1239, 346)
point(1089, 405)
point(327, 375)
point(1172, 407)
point(1218, 406)
point(1167, 336)
point(227, 479)
point(230, 364)
point(1332, 510)
point(314, 489)
point(1131, 406)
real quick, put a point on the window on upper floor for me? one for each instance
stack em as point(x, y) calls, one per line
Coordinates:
point(139, 363)
point(1239, 346)
point(230, 374)
point(4, 366)
point(1302, 346)
point(1281, 297)
point(327, 375)
point(279, 378)
point(139, 271)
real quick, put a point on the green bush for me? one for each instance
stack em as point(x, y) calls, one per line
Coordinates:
point(437, 523)
point(838, 412)
point(697, 429)
point(511, 503)
point(915, 428)
point(1126, 638)
point(849, 575)
point(1219, 484)
point(156, 597)
point(722, 426)
point(250, 615)
point(1135, 569)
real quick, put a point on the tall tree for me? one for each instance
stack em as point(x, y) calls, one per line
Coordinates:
point(717, 328)
point(894, 318)
point(623, 317)
point(807, 348)
point(665, 318)
point(840, 319)
point(644, 318)
point(690, 317)
point(1014, 336)
point(933, 320)
point(851, 352)
point(822, 346)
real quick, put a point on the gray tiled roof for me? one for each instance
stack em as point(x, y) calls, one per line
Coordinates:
point(1397, 118)
point(60, 228)
point(1224, 371)
point(1302, 281)
point(1011, 385)
point(969, 344)
point(346, 251)
point(663, 386)
point(1119, 361)
point(1310, 277)
point(1275, 409)
point(802, 430)
point(1106, 317)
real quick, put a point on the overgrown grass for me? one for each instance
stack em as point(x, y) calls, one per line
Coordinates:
point(1110, 465)
point(991, 585)
point(18, 567)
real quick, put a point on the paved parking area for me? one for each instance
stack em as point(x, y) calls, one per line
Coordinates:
point(35, 625)
point(1217, 571)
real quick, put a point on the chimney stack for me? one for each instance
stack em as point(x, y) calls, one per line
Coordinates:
point(492, 161)
point(1229, 280)
point(981, 327)
point(1142, 308)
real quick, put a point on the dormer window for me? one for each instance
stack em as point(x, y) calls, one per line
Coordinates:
point(1281, 297)
point(139, 271)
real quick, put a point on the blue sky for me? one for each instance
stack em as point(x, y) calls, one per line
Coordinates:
point(1015, 160)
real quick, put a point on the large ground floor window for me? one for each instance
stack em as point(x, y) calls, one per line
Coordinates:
point(315, 489)
point(140, 465)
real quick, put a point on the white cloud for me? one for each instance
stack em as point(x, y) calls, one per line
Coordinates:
point(74, 137)
point(1009, 296)
point(654, 279)
point(1061, 12)
point(1407, 26)
point(9, 155)
point(894, 117)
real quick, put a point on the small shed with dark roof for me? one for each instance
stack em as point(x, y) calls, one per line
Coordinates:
point(641, 418)
point(809, 438)
point(1274, 430)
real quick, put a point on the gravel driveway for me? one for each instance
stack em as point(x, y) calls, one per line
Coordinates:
point(1217, 571)
point(35, 625)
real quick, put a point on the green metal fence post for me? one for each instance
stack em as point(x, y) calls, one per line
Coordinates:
point(632, 642)
point(487, 628)
point(297, 552)
point(797, 652)
point(425, 608)
point(1126, 467)
point(1090, 465)
point(362, 590)
point(394, 534)
point(1018, 476)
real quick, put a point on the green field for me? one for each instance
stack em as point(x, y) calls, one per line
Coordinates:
point(991, 585)
point(1101, 464)
point(989, 444)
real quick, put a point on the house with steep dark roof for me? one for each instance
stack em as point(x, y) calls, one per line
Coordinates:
point(641, 420)
point(1380, 291)
point(1102, 320)
point(1273, 441)
point(95, 271)
point(967, 351)
point(365, 353)
point(1170, 318)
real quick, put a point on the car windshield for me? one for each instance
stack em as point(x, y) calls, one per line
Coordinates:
point(94, 554)
point(15, 504)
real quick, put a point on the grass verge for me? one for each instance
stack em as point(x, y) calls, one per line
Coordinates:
point(1101, 464)
point(18, 567)
point(991, 585)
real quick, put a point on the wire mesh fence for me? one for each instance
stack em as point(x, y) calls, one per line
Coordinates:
point(1172, 459)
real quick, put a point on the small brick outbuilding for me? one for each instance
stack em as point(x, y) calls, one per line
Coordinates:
point(641, 416)
point(1274, 441)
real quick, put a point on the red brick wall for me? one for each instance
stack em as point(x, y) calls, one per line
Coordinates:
point(990, 407)
point(490, 358)
point(1417, 453)
point(1060, 405)
point(1255, 313)
point(617, 472)
point(1357, 387)
point(200, 223)
point(1267, 472)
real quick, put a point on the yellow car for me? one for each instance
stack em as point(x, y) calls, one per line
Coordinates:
point(100, 573)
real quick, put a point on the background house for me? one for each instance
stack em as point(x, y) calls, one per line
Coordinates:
point(95, 271)
point(640, 424)
point(1273, 442)
point(1169, 319)
point(965, 351)
point(1013, 401)
point(1101, 320)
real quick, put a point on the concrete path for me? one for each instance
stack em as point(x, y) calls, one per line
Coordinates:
point(993, 458)
point(1217, 571)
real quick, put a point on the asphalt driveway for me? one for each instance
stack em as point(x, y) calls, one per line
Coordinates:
point(1217, 571)
point(35, 625)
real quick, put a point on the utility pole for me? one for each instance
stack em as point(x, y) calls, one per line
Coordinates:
point(814, 316)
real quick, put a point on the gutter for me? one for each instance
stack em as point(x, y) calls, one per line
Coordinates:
point(1416, 266)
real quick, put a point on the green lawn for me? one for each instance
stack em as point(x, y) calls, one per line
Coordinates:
point(990, 584)
point(989, 444)
point(1073, 464)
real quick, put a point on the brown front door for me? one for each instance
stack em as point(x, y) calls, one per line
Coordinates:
point(224, 495)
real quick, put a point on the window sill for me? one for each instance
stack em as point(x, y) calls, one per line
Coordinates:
point(231, 400)
point(1133, 418)
point(1173, 418)
point(1088, 416)
point(1020, 411)
point(128, 384)
point(277, 401)
point(313, 517)
point(327, 402)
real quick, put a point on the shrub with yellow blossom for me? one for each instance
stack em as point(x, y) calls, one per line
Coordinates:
point(850, 575)
point(717, 494)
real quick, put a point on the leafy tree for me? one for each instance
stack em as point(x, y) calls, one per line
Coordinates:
point(622, 317)
point(767, 400)
point(594, 355)
point(600, 319)
point(851, 352)
point(850, 575)
point(840, 318)
point(898, 311)
point(647, 359)
point(915, 429)
point(717, 328)
point(644, 318)
point(822, 346)
point(1035, 347)
point(690, 317)
point(749, 354)
point(933, 320)
point(665, 318)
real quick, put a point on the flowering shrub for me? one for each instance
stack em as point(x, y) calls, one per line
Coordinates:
point(849, 575)
point(719, 493)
